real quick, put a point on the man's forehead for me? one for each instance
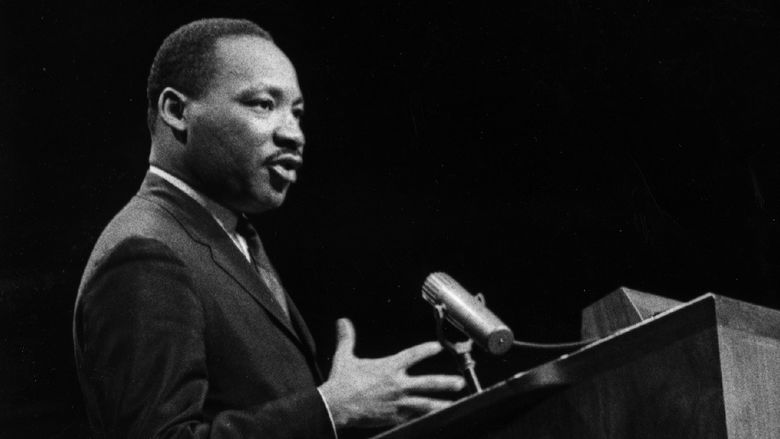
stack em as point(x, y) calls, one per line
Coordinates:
point(253, 58)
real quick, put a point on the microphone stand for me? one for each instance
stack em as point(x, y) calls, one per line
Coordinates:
point(461, 350)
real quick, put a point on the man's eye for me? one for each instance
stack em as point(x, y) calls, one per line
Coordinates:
point(265, 104)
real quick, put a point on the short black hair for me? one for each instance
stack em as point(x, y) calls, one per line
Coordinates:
point(185, 59)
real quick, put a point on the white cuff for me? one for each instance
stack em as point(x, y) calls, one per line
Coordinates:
point(330, 415)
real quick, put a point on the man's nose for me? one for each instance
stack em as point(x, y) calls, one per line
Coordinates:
point(289, 134)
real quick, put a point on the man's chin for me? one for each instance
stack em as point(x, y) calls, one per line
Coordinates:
point(264, 202)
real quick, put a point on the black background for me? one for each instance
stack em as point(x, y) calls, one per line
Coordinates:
point(543, 154)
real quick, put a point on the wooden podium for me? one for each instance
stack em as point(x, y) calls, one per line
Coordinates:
point(709, 368)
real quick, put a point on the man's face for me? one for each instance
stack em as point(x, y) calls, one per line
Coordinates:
point(244, 138)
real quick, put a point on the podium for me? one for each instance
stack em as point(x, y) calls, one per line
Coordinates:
point(708, 368)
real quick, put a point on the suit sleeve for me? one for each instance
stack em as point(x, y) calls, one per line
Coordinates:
point(140, 332)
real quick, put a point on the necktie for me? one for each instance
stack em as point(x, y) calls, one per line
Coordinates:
point(261, 262)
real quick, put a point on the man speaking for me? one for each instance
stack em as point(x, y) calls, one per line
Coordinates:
point(182, 327)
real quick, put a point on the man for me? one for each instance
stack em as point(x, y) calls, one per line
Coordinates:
point(181, 326)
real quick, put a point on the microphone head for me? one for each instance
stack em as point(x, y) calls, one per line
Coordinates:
point(467, 313)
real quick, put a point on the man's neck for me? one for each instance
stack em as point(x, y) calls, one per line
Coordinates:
point(224, 216)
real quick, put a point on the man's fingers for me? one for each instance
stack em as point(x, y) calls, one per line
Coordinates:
point(415, 354)
point(345, 337)
point(435, 383)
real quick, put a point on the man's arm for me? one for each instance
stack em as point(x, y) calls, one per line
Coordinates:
point(140, 331)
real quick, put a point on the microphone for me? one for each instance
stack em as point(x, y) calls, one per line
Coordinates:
point(468, 313)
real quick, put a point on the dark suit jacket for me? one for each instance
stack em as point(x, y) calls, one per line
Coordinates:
point(176, 335)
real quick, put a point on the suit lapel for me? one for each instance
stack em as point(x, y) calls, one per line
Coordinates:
point(230, 260)
point(228, 257)
point(203, 228)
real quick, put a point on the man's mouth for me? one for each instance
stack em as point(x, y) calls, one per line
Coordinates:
point(287, 174)
point(286, 167)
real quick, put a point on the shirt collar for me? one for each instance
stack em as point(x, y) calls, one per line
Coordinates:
point(224, 216)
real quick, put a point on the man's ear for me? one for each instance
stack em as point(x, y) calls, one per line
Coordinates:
point(170, 107)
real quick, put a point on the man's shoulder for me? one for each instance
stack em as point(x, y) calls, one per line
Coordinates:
point(141, 222)
point(142, 217)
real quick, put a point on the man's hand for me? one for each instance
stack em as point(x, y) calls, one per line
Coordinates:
point(378, 392)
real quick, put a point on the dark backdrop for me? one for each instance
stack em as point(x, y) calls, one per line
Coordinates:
point(543, 154)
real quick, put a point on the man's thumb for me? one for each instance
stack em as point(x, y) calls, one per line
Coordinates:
point(345, 337)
